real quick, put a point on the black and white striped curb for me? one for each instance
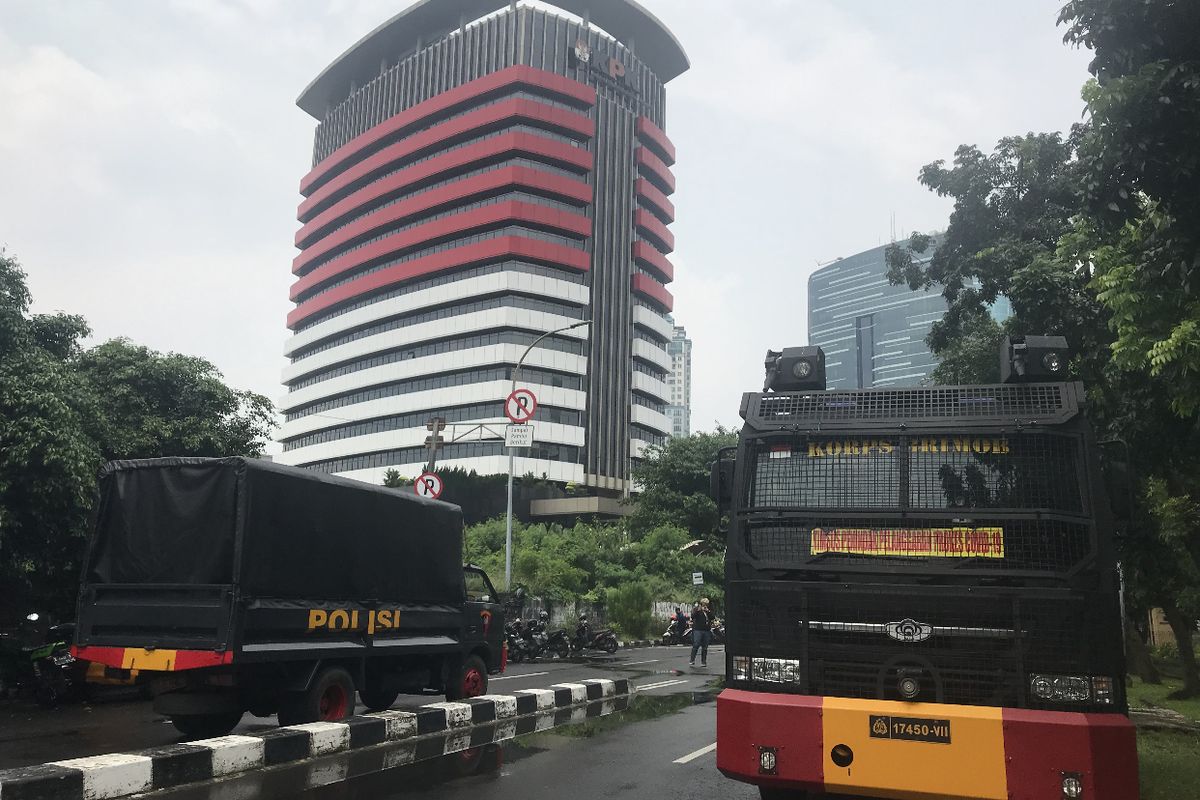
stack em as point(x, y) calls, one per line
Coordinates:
point(123, 774)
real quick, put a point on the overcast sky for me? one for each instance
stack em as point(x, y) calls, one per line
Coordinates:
point(150, 152)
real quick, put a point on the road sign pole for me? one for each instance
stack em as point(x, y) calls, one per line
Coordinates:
point(509, 515)
point(508, 527)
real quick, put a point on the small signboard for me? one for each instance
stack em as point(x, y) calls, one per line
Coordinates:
point(428, 485)
point(520, 405)
point(697, 579)
point(518, 435)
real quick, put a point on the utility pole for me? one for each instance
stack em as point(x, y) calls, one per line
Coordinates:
point(434, 441)
point(509, 515)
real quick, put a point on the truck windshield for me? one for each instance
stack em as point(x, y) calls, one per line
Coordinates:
point(957, 500)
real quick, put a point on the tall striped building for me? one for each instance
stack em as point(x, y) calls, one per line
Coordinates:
point(484, 173)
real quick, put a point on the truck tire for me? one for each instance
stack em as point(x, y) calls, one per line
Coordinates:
point(329, 698)
point(470, 681)
point(376, 699)
point(206, 726)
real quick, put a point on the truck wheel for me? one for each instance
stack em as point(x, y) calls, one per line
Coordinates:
point(376, 699)
point(330, 698)
point(206, 726)
point(471, 681)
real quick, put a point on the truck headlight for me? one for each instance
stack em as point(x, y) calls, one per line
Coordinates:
point(1071, 688)
point(775, 670)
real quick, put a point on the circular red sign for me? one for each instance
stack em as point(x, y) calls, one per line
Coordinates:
point(428, 485)
point(520, 405)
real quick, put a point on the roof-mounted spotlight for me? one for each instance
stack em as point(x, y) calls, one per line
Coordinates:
point(1033, 359)
point(795, 369)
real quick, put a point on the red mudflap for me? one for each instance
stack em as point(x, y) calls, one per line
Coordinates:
point(1040, 746)
point(791, 724)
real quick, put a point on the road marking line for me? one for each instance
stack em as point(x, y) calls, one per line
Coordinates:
point(659, 685)
point(651, 661)
point(522, 675)
point(693, 756)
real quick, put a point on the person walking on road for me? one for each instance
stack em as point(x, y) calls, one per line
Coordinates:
point(701, 633)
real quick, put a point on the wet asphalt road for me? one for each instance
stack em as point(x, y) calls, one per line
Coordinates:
point(122, 723)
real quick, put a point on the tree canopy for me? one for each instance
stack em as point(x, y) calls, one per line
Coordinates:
point(674, 483)
point(1096, 236)
point(65, 410)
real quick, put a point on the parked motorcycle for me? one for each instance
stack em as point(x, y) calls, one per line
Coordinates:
point(518, 647)
point(559, 643)
point(46, 671)
point(587, 639)
point(677, 633)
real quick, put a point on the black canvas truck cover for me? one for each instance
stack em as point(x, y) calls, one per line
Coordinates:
point(179, 533)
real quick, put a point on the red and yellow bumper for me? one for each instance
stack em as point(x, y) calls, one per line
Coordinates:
point(922, 751)
point(153, 660)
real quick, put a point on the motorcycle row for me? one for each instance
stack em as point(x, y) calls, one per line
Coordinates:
point(680, 632)
point(534, 639)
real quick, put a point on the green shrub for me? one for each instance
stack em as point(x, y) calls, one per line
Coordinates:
point(1167, 651)
point(628, 609)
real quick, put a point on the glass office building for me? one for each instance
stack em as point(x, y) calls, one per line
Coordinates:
point(873, 333)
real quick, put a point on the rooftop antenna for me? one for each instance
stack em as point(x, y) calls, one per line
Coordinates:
point(893, 227)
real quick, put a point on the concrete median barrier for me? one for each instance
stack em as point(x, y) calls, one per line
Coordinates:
point(445, 727)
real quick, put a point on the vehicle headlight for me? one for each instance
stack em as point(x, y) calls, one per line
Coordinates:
point(1072, 688)
point(769, 670)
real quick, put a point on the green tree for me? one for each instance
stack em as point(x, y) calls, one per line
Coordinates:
point(47, 460)
point(675, 486)
point(1016, 231)
point(151, 404)
point(65, 410)
point(629, 609)
point(1140, 162)
point(394, 480)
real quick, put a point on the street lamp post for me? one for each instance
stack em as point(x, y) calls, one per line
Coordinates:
point(509, 516)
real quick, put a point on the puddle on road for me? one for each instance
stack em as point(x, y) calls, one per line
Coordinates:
point(434, 763)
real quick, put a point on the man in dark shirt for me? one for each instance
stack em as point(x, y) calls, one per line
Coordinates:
point(701, 633)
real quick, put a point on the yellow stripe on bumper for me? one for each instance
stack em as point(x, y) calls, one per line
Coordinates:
point(137, 658)
point(971, 765)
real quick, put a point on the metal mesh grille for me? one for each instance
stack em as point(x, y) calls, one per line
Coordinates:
point(998, 544)
point(979, 647)
point(1008, 401)
point(1023, 472)
point(807, 473)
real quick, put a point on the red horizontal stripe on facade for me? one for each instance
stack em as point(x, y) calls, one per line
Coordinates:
point(653, 136)
point(513, 76)
point(649, 225)
point(518, 142)
point(479, 253)
point(489, 116)
point(653, 167)
point(459, 191)
point(652, 289)
point(645, 255)
point(478, 218)
point(652, 198)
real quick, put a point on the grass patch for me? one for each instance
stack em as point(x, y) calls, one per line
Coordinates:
point(1142, 695)
point(1169, 765)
